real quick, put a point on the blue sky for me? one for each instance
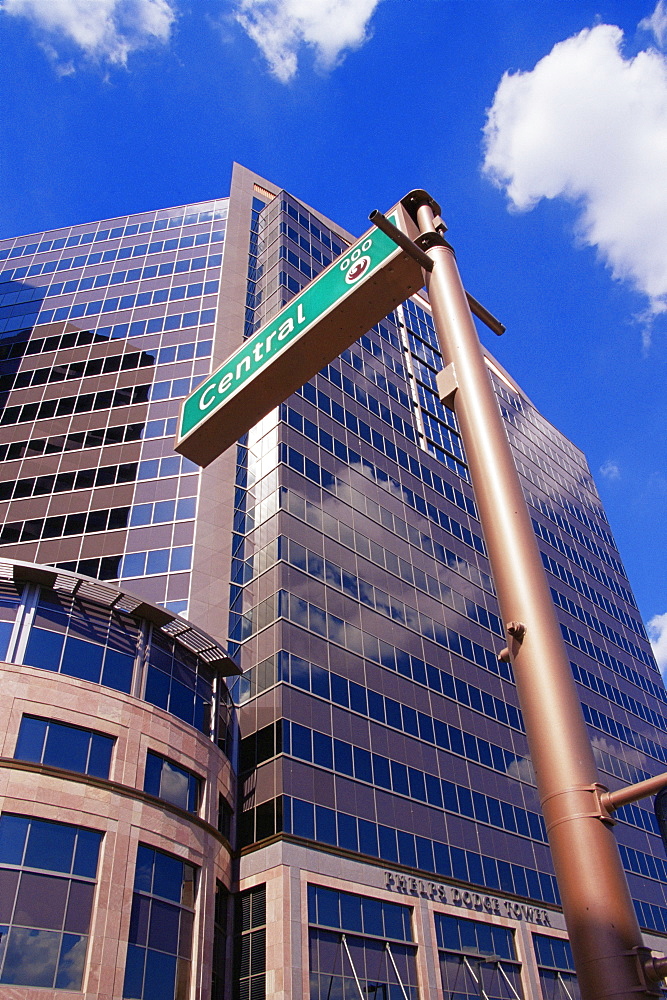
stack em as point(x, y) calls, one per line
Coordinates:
point(540, 127)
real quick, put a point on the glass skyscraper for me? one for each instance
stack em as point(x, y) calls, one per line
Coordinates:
point(363, 820)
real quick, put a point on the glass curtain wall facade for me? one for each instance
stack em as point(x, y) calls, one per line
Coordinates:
point(387, 828)
point(104, 328)
point(378, 726)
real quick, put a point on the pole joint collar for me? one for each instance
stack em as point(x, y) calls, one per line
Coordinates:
point(428, 240)
point(582, 802)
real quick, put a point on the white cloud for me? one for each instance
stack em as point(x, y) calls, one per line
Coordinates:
point(281, 27)
point(657, 633)
point(610, 469)
point(105, 30)
point(590, 126)
point(657, 23)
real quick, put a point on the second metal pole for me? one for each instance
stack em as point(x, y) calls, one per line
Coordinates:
point(604, 933)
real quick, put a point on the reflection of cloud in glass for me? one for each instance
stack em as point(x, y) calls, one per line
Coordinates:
point(70, 967)
point(522, 768)
point(602, 746)
point(174, 786)
point(143, 876)
point(336, 629)
point(4, 931)
point(31, 957)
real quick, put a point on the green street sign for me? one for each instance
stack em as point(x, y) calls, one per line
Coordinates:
point(353, 294)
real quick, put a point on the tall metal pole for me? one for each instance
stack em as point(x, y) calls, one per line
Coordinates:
point(604, 934)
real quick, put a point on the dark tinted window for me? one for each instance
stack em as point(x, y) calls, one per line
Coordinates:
point(46, 741)
point(47, 873)
point(160, 942)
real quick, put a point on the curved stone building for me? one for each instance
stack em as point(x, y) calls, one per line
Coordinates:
point(115, 792)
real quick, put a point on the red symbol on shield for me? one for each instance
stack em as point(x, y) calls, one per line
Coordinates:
point(357, 269)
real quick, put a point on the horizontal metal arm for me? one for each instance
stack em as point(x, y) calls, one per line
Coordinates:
point(403, 241)
point(655, 969)
point(478, 310)
point(633, 793)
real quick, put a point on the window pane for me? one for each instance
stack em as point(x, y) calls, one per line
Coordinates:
point(185, 934)
point(41, 901)
point(31, 957)
point(163, 932)
point(194, 793)
point(134, 971)
point(5, 635)
point(141, 907)
point(44, 649)
point(8, 883)
point(350, 907)
point(373, 917)
point(181, 702)
point(67, 747)
point(485, 940)
point(82, 659)
point(168, 878)
point(69, 975)
point(188, 891)
point(158, 561)
point(327, 907)
point(13, 831)
point(4, 934)
point(99, 762)
point(79, 907)
point(30, 743)
point(87, 853)
point(153, 774)
point(157, 688)
point(50, 846)
point(143, 875)
point(303, 819)
point(174, 786)
point(118, 668)
point(160, 976)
